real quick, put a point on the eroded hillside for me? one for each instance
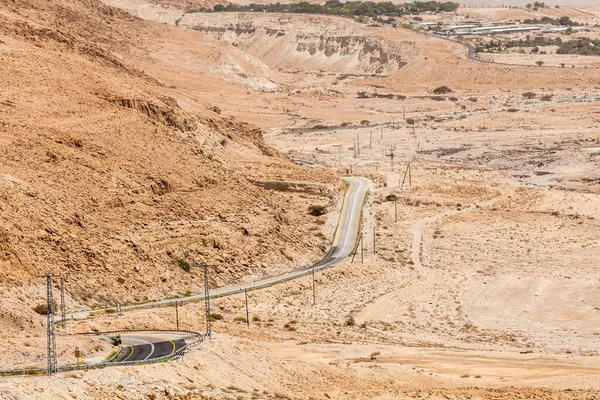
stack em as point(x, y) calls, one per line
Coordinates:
point(108, 175)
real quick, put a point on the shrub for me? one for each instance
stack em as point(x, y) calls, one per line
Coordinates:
point(344, 124)
point(529, 95)
point(240, 319)
point(317, 210)
point(391, 197)
point(216, 317)
point(184, 265)
point(442, 90)
point(42, 309)
point(546, 97)
point(256, 318)
point(350, 321)
point(115, 340)
point(364, 122)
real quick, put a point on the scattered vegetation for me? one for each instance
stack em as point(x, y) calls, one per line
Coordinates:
point(42, 308)
point(317, 210)
point(442, 90)
point(336, 7)
point(391, 197)
point(184, 265)
point(115, 340)
point(216, 317)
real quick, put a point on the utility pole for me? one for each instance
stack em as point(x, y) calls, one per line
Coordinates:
point(354, 148)
point(177, 314)
point(393, 123)
point(409, 176)
point(371, 140)
point(362, 257)
point(407, 172)
point(403, 112)
point(357, 144)
point(396, 209)
point(50, 332)
point(391, 156)
point(62, 302)
point(381, 139)
point(313, 287)
point(247, 313)
point(340, 154)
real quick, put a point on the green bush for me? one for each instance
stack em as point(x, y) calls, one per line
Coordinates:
point(115, 340)
point(317, 210)
point(184, 265)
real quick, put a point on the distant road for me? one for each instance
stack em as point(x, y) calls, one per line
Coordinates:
point(344, 242)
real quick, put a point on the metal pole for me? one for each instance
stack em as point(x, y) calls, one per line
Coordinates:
point(396, 209)
point(177, 314)
point(206, 300)
point(362, 257)
point(50, 333)
point(313, 287)
point(247, 313)
point(62, 303)
point(409, 175)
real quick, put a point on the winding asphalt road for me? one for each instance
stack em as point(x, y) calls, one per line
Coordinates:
point(142, 348)
point(343, 244)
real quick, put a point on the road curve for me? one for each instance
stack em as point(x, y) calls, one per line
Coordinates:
point(344, 242)
point(144, 348)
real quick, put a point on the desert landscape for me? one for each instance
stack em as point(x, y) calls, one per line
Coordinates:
point(142, 139)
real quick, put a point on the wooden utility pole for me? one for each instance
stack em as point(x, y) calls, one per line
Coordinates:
point(362, 257)
point(396, 209)
point(406, 173)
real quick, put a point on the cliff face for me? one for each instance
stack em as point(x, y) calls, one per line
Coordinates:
point(116, 179)
point(303, 43)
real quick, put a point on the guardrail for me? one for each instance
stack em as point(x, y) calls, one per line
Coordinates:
point(177, 353)
point(171, 331)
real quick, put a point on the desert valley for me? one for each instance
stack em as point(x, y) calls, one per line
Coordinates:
point(393, 203)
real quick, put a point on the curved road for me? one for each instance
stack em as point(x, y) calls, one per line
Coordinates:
point(142, 348)
point(344, 241)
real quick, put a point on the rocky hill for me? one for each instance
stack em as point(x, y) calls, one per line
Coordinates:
point(119, 180)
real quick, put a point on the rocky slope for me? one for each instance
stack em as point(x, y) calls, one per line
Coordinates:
point(316, 44)
point(118, 180)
